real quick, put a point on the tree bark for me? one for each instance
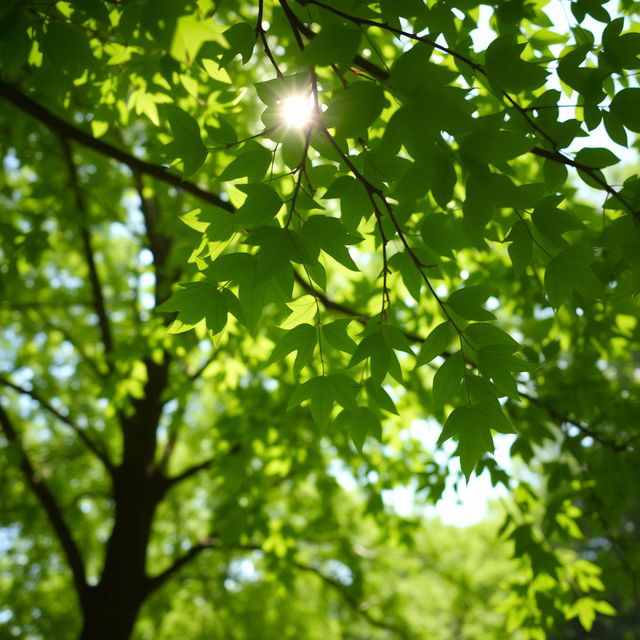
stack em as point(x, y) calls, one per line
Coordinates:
point(111, 607)
point(108, 616)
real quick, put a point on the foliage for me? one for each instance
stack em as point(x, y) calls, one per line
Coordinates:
point(213, 315)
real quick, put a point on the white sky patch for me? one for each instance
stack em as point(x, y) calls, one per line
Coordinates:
point(462, 505)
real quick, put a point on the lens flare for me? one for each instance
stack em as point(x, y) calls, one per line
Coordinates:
point(297, 111)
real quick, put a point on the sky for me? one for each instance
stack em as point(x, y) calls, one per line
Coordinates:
point(461, 506)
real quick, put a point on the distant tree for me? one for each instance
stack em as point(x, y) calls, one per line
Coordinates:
point(245, 245)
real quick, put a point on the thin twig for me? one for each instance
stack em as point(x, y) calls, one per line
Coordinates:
point(97, 450)
point(50, 506)
point(62, 127)
point(94, 276)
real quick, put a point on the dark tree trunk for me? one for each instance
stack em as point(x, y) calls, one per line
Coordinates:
point(109, 616)
point(111, 607)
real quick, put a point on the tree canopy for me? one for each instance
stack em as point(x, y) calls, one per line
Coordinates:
point(247, 249)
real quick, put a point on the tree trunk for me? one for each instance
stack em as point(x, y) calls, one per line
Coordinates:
point(109, 615)
point(111, 607)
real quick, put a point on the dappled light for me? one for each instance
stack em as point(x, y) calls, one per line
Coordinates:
point(319, 320)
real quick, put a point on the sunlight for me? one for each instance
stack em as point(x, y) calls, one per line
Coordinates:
point(297, 110)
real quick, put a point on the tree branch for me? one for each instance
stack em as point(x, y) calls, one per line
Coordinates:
point(261, 33)
point(96, 449)
point(191, 471)
point(203, 367)
point(155, 582)
point(160, 244)
point(380, 74)
point(359, 607)
point(201, 466)
point(362, 318)
point(366, 65)
point(212, 542)
point(172, 436)
point(94, 277)
point(8, 305)
point(585, 430)
point(71, 132)
point(50, 506)
point(366, 22)
point(413, 337)
point(71, 340)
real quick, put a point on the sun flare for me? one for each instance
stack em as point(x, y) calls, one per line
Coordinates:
point(297, 110)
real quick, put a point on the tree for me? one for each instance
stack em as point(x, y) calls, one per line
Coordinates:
point(195, 192)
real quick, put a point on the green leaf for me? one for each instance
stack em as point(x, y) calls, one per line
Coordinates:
point(497, 362)
point(252, 294)
point(229, 266)
point(376, 349)
point(343, 390)
point(477, 208)
point(440, 233)
point(194, 302)
point(395, 338)
point(187, 144)
point(571, 270)
point(508, 71)
point(596, 157)
point(321, 398)
point(626, 106)
point(67, 47)
point(253, 163)
point(553, 222)
point(302, 339)
point(555, 174)
point(220, 75)
point(482, 334)
point(303, 309)
point(260, 206)
point(415, 182)
point(490, 145)
point(323, 391)
point(584, 609)
point(378, 395)
point(447, 380)
point(393, 9)
point(272, 92)
point(444, 179)
point(329, 235)
point(318, 392)
point(335, 44)
point(521, 247)
point(435, 344)
point(614, 128)
point(354, 201)
point(602, 606)
point(337, 336)
point(94, 9)
point(224, 133)
point(411, 277)
point(353, 109)
point(189, 36)
point(472, 428)
point(241, 38)
point(467, 303)
point(359, 423)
